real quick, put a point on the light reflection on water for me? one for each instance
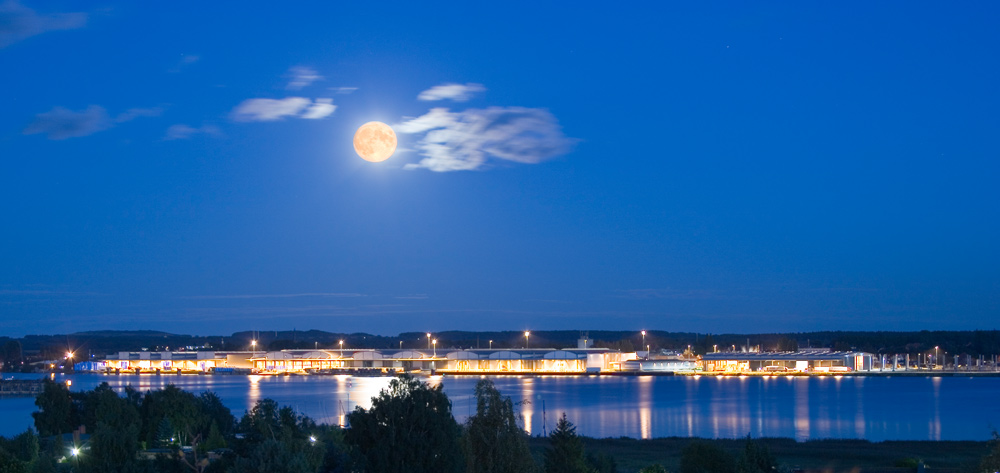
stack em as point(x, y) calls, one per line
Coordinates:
point(642, 407)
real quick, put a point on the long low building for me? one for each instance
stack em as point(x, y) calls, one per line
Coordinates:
point(173, 361)
point(534, 360)
point(810, 360)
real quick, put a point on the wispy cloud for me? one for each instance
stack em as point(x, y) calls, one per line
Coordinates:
point(185, 61)
point(181, 131)
point(280, 296)
point(61, 123)
point(18, 22)
point(343, 90)
point(269, 110)
point(456, 92)
point(45, 292)
point(467, 140)
point(133, 113)
point(666, 293)
point(322, 108)
point(302, 76)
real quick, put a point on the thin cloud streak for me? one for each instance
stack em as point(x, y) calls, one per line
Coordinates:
point(18, 22)
point(270, 110)
point(302, 77)
point(62, 123)
point(279, 296)
point(455, 92)
point(182, 131)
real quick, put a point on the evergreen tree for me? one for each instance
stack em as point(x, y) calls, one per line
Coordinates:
point(493, 441)
point(409, 429)
point(756, 458)
point(164, 434)
point(215, 440)
point(565, 454)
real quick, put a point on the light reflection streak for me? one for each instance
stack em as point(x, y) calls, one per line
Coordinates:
point(528, 397)
point(935, 424)
point(801, 390)
point(859, 414)
point(645, 407)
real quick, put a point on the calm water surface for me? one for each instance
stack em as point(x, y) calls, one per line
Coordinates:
point(641, 407)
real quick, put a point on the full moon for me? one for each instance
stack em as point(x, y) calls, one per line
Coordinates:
point(375, 142)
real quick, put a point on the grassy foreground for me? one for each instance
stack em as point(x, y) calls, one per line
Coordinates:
point(831, 455)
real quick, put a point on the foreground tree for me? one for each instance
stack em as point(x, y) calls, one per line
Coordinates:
point(756, 458)
point(493, 441)
point(56, 413)
point(277, 440)
point(565, 455)
point(115, 442)
point(409, 428)
point(706, 457)
point(991, 462)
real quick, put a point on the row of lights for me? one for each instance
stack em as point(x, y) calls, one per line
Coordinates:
point(432, 343)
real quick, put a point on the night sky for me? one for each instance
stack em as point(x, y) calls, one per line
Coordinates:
point(710, 167)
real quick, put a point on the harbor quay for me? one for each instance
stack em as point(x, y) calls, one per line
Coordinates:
point(583, 360)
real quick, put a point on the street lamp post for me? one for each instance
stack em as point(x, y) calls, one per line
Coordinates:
point(400, 344)
point(526, 340)
point(435, 342)
point(341, 344)
point(491, 344)
point(253, 348)
point(428, 340)
point(935, 357)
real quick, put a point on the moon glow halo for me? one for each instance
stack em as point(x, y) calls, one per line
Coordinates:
point(375, 142)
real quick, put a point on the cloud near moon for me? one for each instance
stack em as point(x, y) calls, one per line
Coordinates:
point(468, 140)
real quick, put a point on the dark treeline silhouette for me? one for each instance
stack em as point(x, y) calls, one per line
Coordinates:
point(409, 428)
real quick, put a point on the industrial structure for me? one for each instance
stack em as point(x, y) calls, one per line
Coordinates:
point(814, 360)
point(581, 360)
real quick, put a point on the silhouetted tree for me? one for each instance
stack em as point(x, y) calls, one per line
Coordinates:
point(991, 462)
point(565, 453)
point(756, 458)
point(409, 428)
point(493, 441)
point(706, 457)
point(56, 412)
point(115, 442)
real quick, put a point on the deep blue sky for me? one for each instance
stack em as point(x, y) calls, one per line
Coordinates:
point(699, 167)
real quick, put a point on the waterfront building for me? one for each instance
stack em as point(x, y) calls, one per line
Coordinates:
point(534, 360)
point(810, 360)
point(176, 361)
